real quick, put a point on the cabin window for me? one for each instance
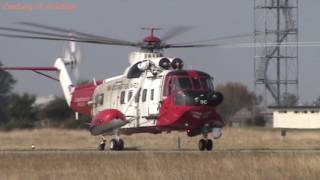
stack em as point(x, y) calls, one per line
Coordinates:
point(144, 95)
point(129, 95)
point(137, 96)
point(96, 100)
point(99, 99)
point(152, 95)
point(122, 95)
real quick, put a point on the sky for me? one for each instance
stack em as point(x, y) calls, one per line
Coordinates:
point(123, 19)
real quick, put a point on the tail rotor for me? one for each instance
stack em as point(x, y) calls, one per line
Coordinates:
point(72, 58)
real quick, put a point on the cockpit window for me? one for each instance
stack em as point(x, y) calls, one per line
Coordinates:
point(196, 83)
point(168, 87)
point(207, 83)
point(182, 83)
point(185, 82)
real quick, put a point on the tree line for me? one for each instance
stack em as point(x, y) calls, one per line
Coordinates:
point(20, 110)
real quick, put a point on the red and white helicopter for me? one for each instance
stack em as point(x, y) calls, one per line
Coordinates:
point(153, 95)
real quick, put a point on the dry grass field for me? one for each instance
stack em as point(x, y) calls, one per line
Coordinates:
point(160, 166)
point(184, 165)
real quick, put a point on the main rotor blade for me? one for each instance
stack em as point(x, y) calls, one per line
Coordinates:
point(54, 36)
point(82, 40)
point(248, 45)
point(231, 37)
point(112, 40)
point(190, 45)
point(217, 39)
point(173, 32)
point(37, 32)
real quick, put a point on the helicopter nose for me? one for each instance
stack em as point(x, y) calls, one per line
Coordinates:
point(201, 99)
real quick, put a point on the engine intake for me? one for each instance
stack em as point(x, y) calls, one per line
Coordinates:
point(177, 63)
point(164, 63)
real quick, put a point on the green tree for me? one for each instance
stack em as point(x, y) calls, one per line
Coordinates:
point(6, 85)
point(289, 99)
point(236, 97)
point(60, 115)
point(23, 113)
point(57, 110)
point(317, 102)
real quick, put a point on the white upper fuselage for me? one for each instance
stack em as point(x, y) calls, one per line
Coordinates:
point(138, 98)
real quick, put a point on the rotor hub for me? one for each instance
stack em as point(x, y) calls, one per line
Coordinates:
point(151, 42)
point(151, 39)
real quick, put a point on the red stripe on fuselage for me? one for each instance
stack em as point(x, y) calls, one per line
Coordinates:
point(80, 97)
point(187, 117)
point(30, 68)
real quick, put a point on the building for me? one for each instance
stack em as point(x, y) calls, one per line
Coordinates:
point(241, 117)
point(299, 117)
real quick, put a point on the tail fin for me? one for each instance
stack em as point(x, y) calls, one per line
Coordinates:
point(65, 80)
point(63, 76)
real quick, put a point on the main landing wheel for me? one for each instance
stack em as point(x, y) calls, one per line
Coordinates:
point(116, 145)
point(205, 144)
point(102, 144)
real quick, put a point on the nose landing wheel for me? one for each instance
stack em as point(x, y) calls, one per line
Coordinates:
point(102, 144)
point(205, 144)
point(116, 144)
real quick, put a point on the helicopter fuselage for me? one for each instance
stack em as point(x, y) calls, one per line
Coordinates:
point(173, 100)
